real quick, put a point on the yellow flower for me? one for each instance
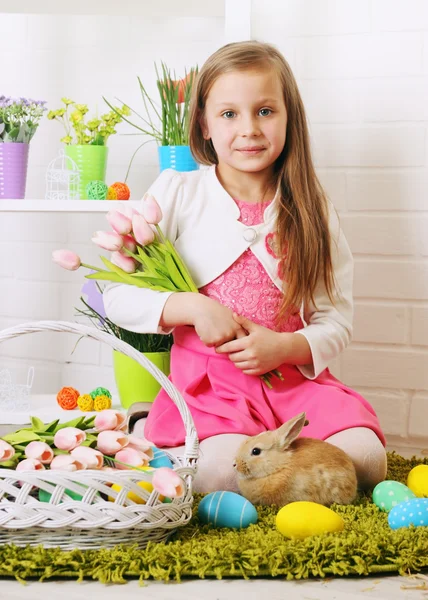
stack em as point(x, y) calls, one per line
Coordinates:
point(67, 101)
point(51, 114)
point(67, 139)
point(83, 108)
point(126, 110)
point(76, 116)
point(92, 125)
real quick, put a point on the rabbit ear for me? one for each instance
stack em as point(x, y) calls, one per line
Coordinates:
point(288, 432)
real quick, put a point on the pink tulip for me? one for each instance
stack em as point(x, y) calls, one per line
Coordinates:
point(168, 483)
point(6, 451)
point(141, 444)
point(124, 262)
point(132, 457)
point(110, 442)
point(30, 464)
point(69, 438)
point(127, 210)
point(129, 243)
point(66, 462)
point(109, 419)
point(93, 459)
point(108, 240)
point(66, 259)
point(120, 222)
point(151, 210)
point(143, 233)
point(40, 451)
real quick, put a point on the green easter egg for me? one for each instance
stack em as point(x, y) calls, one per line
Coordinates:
point(46, 496)
point(388, 494)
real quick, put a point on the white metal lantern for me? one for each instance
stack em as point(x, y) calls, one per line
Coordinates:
point(62, 179)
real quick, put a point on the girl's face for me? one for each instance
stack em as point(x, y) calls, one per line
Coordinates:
point(246, 119)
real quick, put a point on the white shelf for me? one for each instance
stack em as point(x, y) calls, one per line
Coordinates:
point(45, 407)
point(145, 8)
point(70, 206)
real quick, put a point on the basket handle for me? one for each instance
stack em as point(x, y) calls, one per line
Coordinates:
point(191, 440)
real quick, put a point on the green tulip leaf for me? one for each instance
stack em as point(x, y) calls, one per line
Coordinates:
point(37, 424)
point(21, 437)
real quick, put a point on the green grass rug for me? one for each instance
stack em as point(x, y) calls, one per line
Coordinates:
point(367, 546)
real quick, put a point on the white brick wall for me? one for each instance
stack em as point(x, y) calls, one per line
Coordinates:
point(362, 68)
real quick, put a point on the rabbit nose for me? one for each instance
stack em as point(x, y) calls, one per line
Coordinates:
point(234, 465)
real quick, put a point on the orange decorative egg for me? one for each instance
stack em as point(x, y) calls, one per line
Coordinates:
point(118, 191)
point(67, 398)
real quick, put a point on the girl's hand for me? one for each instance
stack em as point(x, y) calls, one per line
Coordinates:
point(214, 323)
point(261, 351)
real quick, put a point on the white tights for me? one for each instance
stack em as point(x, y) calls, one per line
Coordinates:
point(215, 470)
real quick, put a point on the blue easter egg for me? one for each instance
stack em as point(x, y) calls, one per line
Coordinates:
point(160, 459)
point(414, 512)
point(227, 509)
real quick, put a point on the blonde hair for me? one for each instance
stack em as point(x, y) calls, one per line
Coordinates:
point(302, 228)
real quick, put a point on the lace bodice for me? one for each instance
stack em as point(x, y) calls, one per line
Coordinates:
point(245, 286)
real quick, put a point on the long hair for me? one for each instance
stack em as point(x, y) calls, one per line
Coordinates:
point(303, 240)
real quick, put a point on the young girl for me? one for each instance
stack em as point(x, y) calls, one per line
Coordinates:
point(273, 269)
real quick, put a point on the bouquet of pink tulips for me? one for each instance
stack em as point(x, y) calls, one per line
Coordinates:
point(84, 443)
point(141, 254)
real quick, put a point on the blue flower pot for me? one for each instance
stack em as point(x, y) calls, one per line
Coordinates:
point(178, 158)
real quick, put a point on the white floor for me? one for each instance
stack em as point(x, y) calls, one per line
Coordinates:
point(385, 588)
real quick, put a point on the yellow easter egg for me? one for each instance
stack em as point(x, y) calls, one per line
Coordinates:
point(417, 481)
point(132, 495)
point(302, 519)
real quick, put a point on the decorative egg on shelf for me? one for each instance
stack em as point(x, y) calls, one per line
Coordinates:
point(417, 481)
point(303, 519)
point(227, 509)
point(388, 494)
point(118, 191)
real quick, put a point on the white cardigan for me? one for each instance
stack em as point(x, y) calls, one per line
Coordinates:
point(201, 219)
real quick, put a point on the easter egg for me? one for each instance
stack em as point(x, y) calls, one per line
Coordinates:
point(227, 509)
point(414, 512)
point(147, 485)
point(388, 494)
point(45, 496)
point(160, 459)
point(302, 519)
point(417, 480)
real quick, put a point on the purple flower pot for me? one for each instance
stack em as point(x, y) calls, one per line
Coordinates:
point(13, 169)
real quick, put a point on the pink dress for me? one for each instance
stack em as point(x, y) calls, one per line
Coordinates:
point(222, 399)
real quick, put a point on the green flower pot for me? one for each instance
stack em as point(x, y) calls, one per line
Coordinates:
point(134, 383)
point(91, 162)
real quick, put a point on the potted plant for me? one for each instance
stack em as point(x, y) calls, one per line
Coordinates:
point(134, 383)
point(86, 140)
point(167, 122)
point(19, 120)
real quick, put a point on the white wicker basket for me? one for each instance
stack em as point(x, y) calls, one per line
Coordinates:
point(94, 521)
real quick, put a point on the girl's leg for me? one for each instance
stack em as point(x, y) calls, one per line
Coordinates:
point(215, 463)
point(367, 454)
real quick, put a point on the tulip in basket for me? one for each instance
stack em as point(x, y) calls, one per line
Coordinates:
point(87, 483)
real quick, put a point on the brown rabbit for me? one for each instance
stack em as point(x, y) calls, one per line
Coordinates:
point(276, 468)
